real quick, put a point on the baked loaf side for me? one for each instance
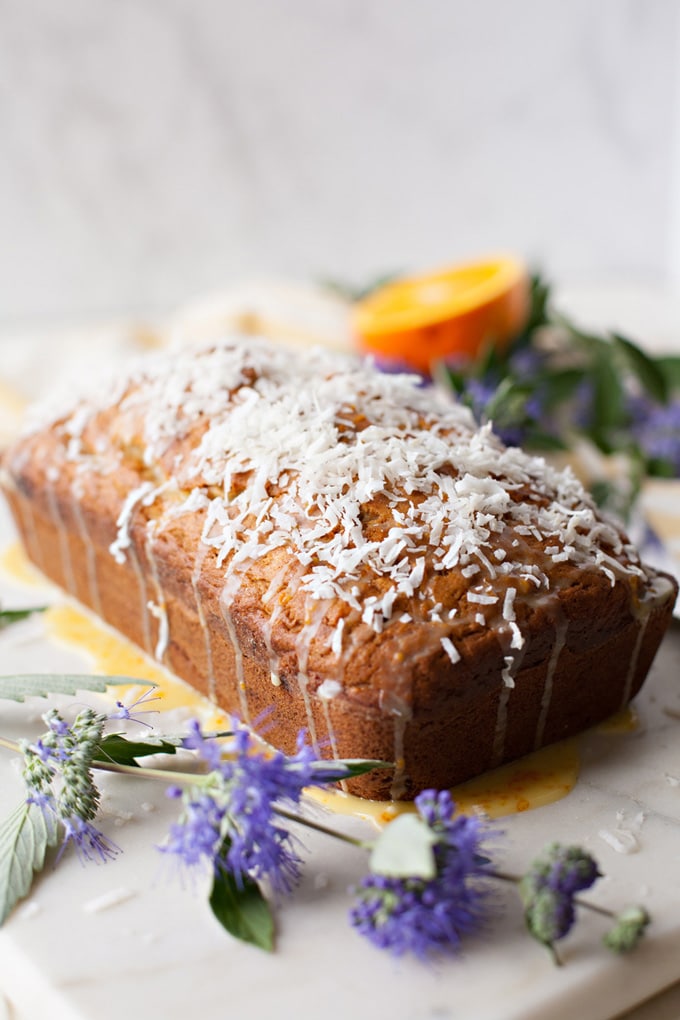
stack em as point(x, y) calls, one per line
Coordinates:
point(301, 535)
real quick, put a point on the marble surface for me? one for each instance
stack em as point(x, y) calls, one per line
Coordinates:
point(152, 150)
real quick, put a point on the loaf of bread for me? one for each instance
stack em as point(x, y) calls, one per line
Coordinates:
point(299, 534)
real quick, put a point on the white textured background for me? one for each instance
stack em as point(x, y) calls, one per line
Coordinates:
point(154, 149)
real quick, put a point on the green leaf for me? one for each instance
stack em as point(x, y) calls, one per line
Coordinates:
point(489, 360)
point(539, 313)
point(117, 748)
point(538, 439)
point(24, 838)
point(448, 378)
point(608, 396)
point(670, 366)
point(9, 616)
point(405, 849)
point(562, 384)
point(658, 468)
point(589, 341)
point(357, 766)
point(650, 375)
point(242, 909)
point(39, 685)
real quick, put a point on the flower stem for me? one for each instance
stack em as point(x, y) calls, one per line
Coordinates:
point(166, 775)
point(290, 816)
point(504, 876)
point(11, 745)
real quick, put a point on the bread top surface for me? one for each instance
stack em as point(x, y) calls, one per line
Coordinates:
point(355, 520)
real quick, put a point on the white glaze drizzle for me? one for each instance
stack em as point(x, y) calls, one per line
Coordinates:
point(227, 596)
point(314, 615)
point(393, 705)
point(201, 553)
point(328, 690)
point(643, 614)
point(143, 599)
point(30, 531)
point(157, 607)
point(561, 628)
point(277, 587)
point(90, 557)
point(60, 527)
point(512, 665)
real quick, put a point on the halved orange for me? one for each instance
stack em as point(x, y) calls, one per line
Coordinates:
point(454, 311)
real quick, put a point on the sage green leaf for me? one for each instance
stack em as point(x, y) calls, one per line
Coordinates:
point(117, 748)
point(9, 616)
point(405, 849)
point(39, 685)
point(242, 910)
point(650, 375)
point(24, 838)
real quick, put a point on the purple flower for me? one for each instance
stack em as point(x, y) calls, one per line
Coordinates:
point(527, 361)
point(198, 835)
point(397, 366)
point(478, 394)
point(90, 843)
point(58, 776)
point(231, 822)
point(207, 749)
point(514, 416)
point(549, 887)
point(129, 712)
point(427, 916)
point(656, 430)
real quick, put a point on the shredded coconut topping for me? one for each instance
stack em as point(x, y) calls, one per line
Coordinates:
point(297, 454)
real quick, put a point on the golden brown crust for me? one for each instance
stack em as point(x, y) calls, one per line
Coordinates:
point(499, 685)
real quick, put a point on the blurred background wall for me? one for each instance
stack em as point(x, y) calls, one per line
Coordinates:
point(154, 149)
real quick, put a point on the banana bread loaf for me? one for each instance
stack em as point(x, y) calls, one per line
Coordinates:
point(301, 534)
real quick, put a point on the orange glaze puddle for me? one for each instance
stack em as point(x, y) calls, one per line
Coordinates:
point(625, 721)
point(531, 782)
point(16, 564)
